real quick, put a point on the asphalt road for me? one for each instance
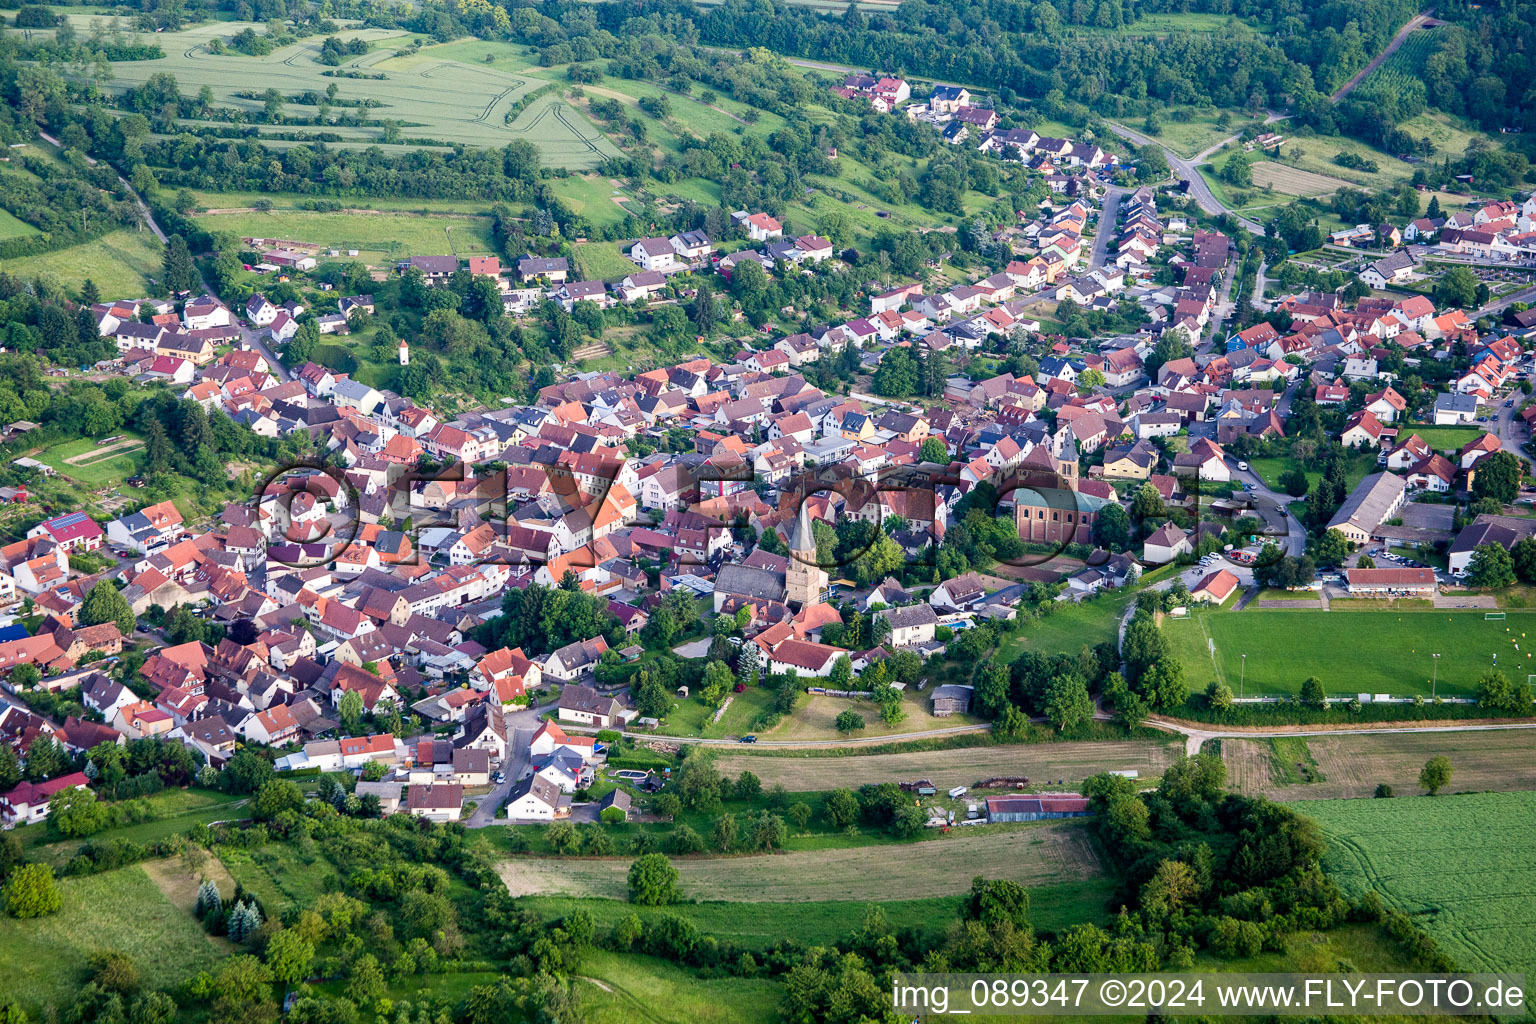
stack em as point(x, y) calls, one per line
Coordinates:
point(250, 338)
point(1106, 229)
point(1198, 189)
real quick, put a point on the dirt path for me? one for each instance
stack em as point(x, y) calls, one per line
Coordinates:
point(108, 451)
point(1195, 736)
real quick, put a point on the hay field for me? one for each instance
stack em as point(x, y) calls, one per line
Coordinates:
point(433, 92)
point(1293, 180)
point(1043, 763)
point(1040, 854)
point(1352, 766)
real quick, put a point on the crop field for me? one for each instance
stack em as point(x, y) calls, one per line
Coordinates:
point(1294, 181)
point(1350, 651)
point(1352, 766)
point(435, 95)
point(1400, 68)
point(119, 909)
point(1047, 853)
point(377, 235)
point(1047, 765)
point(121, 263)
point(1463, 867)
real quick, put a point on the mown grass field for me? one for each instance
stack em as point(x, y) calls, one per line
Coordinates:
point(1051, 908)
point(1037, 854)
point(1047, 765)
point(179, 810)
point(1350, 651)
point(1294, 181)
point(1463, 867)
point(815, 716)
point(122, 263)
point(377, 235)
point(42, 960)
point(1352, 766)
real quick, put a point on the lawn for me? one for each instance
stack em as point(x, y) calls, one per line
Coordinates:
point(107, 470)
point(1269, 469)
point(121, 263)
point(1350, 651)
point(119, 909)
point(602, 261)
point(1069, 627)
point(1443, 439)
point(1352, 766)
point(377, 235)
point(1035, 854)
point(1477, 898)
point(1049, 765)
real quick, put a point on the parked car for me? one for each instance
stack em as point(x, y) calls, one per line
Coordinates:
point(749, 738)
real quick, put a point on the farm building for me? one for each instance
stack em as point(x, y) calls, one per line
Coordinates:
point(950, 699)
point(1035, 808)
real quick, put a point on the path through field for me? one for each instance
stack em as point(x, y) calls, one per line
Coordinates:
point(1041, 854)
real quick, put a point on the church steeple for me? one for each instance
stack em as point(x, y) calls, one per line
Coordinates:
point(803, 543)
point(805, 581)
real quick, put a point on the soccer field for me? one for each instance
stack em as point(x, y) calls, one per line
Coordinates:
point(1351, 652)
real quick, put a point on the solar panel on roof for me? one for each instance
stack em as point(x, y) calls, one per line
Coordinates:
point(66, 521)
